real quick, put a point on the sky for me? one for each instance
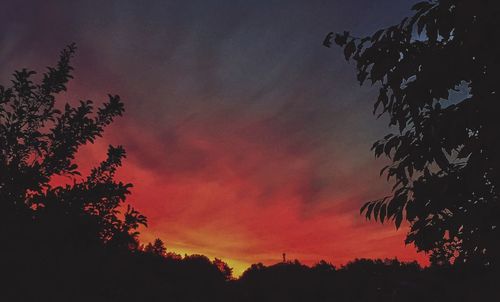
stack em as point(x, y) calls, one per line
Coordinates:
point(246, 138)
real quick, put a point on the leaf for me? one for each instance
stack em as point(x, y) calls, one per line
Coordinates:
point(392, 143)
point(398, 220)
point(376, 209)
point(341, 40)
point(379, 149)
point(349, 49)
point(382, 99)
point(383, 212)
point(327, 42)
point(364, 207)
point(383, 170)
point(369, 210)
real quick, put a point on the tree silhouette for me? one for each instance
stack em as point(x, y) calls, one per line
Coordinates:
point(157, 248)
point(38, 142)
point(224, 268)
point(438, 77)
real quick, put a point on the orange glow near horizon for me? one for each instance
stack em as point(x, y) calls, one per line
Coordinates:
point(241, 209)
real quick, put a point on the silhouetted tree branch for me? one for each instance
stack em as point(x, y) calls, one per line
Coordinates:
point(38, 142)
point(438, 79)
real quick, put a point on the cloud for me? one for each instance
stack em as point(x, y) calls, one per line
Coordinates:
point(245, 137)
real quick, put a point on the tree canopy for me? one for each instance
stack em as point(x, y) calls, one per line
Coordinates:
point(438, 77)
point(38, 142)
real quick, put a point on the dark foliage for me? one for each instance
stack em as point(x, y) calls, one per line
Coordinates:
point(78, 241)
point(438, 78)
point(47, 226)
point(156, 248)
point(363, 280)
point(38, 142)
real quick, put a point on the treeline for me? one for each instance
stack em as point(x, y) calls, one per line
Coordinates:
point(62, 273)
point(365, 280)
point(92, 273)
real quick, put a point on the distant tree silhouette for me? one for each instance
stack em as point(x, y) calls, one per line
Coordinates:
point(157, 248)
point(324, 266)
point(224, 268)
point(174, 256)
point(438, 77)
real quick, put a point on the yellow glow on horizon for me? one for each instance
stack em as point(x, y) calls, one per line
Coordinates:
point(238, 266)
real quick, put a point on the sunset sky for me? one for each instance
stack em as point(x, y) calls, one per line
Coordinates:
point(246, 138)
